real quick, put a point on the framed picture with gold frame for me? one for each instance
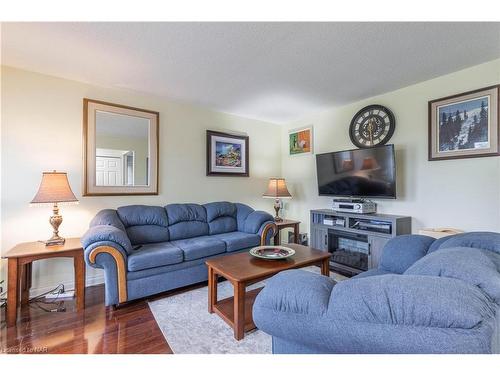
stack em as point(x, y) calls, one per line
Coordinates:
point(465, 125)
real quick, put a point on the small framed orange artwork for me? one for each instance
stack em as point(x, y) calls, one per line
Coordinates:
point(300, 141)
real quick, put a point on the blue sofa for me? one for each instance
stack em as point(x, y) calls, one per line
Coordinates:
point(146, 250)
point(427, 296)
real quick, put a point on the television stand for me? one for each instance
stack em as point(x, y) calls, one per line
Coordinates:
point(354, 240)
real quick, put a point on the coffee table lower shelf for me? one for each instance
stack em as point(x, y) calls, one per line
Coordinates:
point(225, 309)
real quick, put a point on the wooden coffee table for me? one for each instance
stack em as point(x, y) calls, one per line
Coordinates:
point(242, 270)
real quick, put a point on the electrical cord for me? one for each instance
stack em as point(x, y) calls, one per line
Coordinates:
point(58, 288)
point(38, 299)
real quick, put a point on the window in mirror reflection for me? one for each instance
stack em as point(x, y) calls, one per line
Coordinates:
point(122, 150)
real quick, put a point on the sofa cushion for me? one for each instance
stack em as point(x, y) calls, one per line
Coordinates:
point(143, 215)
point(200, 247)
point(221, 217)
point(145, 224)
point(478, 267)
point(143, 234)
point(238, 240)
point(242, 212)
point(154, 255)
point(186, 221)
point(402, 251)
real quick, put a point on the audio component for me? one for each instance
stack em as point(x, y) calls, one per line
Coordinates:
point(357, 206)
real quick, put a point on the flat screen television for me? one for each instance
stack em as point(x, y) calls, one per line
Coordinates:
point(360, 173)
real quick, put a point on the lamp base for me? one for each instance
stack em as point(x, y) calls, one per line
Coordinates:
point(277, 207)
point(55, 220)
point(54, 241)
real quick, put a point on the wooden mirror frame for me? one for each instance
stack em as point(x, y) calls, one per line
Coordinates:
point(90, 188)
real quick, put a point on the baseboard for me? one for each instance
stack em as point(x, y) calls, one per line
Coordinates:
point(68, 285)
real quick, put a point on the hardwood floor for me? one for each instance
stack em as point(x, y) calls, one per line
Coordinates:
point(128, 329)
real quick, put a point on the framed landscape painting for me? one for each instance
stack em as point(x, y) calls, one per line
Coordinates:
point(465, 125)
point(227, 154)
point(300, 141)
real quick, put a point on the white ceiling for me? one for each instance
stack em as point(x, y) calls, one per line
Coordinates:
point(277, 72)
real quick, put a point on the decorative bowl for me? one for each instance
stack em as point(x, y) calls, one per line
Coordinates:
point(272, 252)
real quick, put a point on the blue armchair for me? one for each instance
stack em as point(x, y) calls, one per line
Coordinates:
point(427, 296)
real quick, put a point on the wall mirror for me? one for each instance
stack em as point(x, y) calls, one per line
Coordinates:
point(120, 149)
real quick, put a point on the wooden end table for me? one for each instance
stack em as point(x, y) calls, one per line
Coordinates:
point(20, 259)
point(243, 270)
point(285, 223)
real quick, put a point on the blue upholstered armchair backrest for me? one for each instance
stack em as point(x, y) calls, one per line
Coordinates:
point(403, 251)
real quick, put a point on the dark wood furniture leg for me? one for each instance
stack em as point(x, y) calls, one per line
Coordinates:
point(277, 238)
point(239, 310)
point(12, 296)
point(296, 233)
point(325, 267)
point(25, 276)
point(212, 289)
point(79, 264)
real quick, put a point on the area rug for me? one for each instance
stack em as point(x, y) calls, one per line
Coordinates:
point(189, 328)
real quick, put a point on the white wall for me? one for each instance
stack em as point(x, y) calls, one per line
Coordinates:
point(42, 130)
point(461, 193)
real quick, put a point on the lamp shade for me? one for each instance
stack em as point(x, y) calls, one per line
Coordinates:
point(54, 188)
point(277, 189)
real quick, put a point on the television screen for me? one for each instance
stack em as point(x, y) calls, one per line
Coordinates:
point(362, 173)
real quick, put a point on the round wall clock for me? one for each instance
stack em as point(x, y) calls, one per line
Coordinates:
point(372, 126)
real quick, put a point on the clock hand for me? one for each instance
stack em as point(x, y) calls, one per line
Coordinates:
point(370, 130)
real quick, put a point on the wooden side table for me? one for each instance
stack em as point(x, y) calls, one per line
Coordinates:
point(286, 224)
point(20, 259)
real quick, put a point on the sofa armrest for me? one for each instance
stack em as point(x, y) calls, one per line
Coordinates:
point(107, 247)
point(266, 232)
point(109, 233)
point(112, 258)
point(402, 251)
point(255, 221)
point(291, 304)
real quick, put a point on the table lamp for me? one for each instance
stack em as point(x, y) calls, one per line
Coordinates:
point(54, 189)
point(277, 189)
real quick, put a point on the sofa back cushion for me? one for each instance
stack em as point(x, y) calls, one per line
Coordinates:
point(477, 267)
point(107, 217)
point(242, 213)
point(221, 217)
point(144, 224)
point(186, 221)
point(402, 251)
point(479, 240)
